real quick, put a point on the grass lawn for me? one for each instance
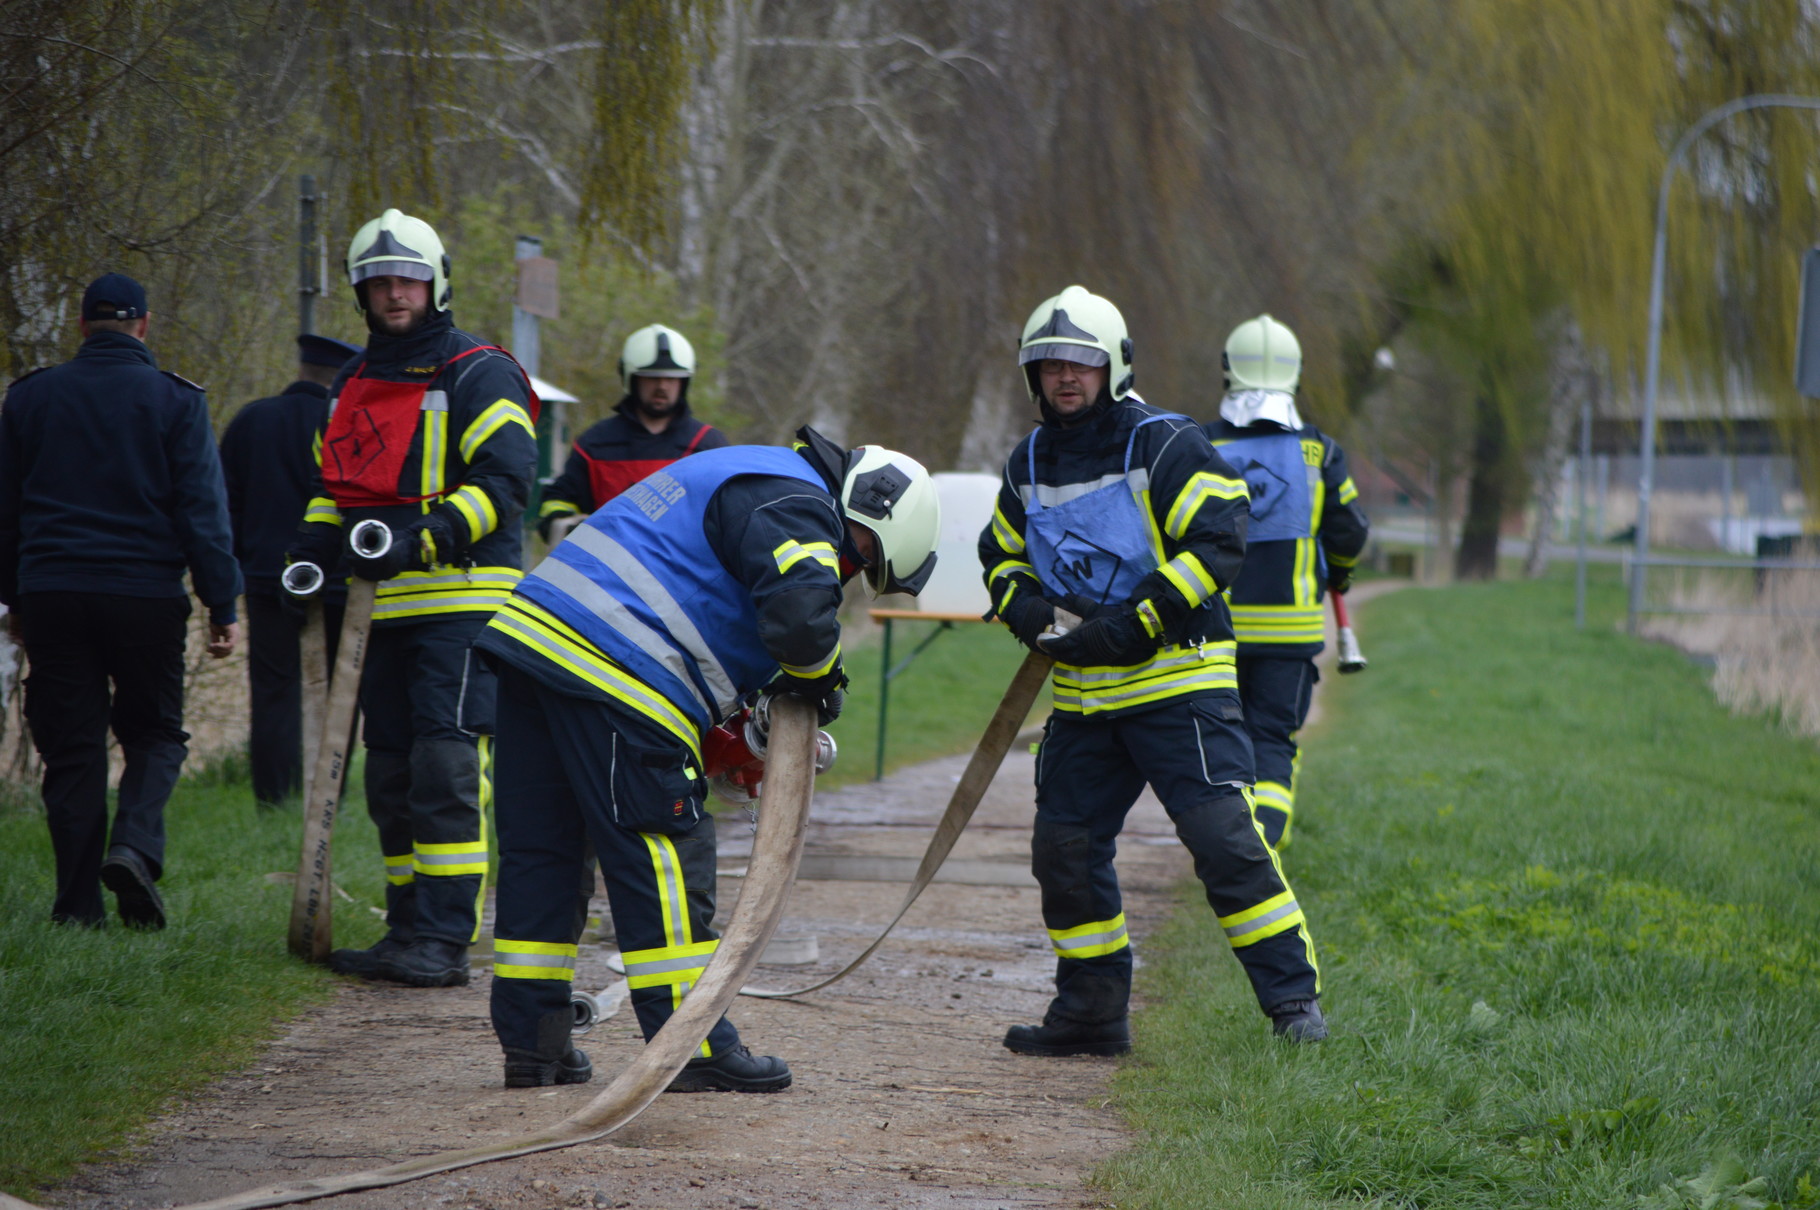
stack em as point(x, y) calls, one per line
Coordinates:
point(104, 1027)
point(1567, 910)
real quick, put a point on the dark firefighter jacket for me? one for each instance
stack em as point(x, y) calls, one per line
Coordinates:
point(613, 454)
point(1195, 509)
point(781, 539)
point(469, 462)
point(109, 482)
point(268, 456)
point(1276, 600)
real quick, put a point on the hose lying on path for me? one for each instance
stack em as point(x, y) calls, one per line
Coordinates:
point(782, 822)
point(1006, 722)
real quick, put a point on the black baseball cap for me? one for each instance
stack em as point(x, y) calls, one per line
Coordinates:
point(314, 350)
point(113, 296)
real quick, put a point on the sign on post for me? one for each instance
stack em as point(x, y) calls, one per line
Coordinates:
point(1807, 330)
point(537, 290)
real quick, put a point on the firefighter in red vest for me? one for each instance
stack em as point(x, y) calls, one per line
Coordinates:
point(649, 429)
point(430, 431)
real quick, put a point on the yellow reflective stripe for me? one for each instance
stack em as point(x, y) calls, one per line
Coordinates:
point(1334, 560)
point(398, 869)
point(435, 453)
point(1190, 578)
point(1275, 794)
point(446, 590)
point(450, 860)
point(497, 414)
point(1150, 527)
point(1278, 624)
point(476, 507)
point(810, 672)
point(1091, 940)
point(322, 508)
point(675, 966)
point(1304, 571)
point(1277, 914)
point(561, 949)
point(1173, 672)
point(533, 960)
point(1151, 619)
point(1349, 491)
point(672, 895)
point(793, 552)
point(1201, 486)
point(316, 447)
point(1009, 567)
point(556, 508)
point(485, 745)
point(552, 638)
point(1008, 539)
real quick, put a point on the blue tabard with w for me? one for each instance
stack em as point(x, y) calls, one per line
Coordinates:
point(1281, 484)
point(639, 581)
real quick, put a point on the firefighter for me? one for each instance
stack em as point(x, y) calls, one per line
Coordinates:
point(1123, 515)
point(709, 580)
point(430, 431)
point(1307, 530)
point(650, 428)
point(268, 456)
point(110, 488)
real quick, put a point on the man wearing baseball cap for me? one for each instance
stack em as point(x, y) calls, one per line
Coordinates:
point(110, 489)
point(268, 456)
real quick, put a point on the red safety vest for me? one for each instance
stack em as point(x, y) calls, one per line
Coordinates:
point(608, 478)
point(370, 433)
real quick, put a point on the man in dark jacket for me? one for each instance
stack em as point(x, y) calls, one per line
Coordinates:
point(109, 489)
point(268, 455)
point(649, 429)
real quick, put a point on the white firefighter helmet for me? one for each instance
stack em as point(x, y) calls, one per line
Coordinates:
point(892, 495)
point(397, 245)
point(656, 352)
point(1262, 354)
point(1080, 327)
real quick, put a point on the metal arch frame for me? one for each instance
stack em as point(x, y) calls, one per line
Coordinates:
point(1658, 271)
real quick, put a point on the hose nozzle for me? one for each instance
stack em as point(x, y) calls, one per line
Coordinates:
point(302, 579)
point(371, 539)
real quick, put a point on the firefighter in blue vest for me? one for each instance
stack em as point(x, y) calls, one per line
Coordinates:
point(1121, 514)
point(430, 431)
point(712, 579)
point(1307, 531)
point(268, 456)
point(649, 429)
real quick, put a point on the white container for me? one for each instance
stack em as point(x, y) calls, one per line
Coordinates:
point(955, 587)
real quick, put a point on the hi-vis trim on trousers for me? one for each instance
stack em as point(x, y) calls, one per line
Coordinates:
point(398, 869)
point(1173, 672)
point(533, 960)
point(1091, 940)
point(1278, 623)
point(413, 594)
point(448, 860)
point(1278, 914)
point(678, 966)
point(1275, 796)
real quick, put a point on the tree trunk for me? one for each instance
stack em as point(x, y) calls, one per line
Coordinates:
point(1569, 387)
point(1478, 557)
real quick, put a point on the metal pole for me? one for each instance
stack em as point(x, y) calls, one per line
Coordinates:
point(307, 287)
point(1639, 568)
point(525, 334)
point(1725, 499)
point(884, 702)
point(1581, 472)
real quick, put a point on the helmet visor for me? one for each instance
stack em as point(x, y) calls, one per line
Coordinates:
point(1080, 355)
point(415, 270)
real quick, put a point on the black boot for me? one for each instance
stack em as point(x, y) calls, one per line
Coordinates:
point(135, 889)
point(426, 962)
point(736, 1070)
point(365, 963)
point(1058, 1036)
point(1298, 1020)
point(555, 1061)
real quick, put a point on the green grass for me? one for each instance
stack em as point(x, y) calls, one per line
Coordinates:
point(1567, 910)
point(103, 1028)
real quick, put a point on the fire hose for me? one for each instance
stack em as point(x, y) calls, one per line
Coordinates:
point(312, 923)
point(782, 824)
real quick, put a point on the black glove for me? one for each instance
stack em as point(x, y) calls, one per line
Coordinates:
point(1113, 637)
point(826, 692)
point(432, 541)
point(1028, 614)
point(1339, 579)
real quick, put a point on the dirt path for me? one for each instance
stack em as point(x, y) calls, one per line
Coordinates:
point(904, 1096)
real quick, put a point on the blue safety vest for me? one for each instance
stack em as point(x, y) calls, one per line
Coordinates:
point(1281, 484)
point(639, 581)
point(1096, 545)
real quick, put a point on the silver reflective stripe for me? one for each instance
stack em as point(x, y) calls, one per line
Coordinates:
point(666, 966)
point(477, 856)
point(435, 401)
point(1268, 918)
point(1184, 660)
point(655, 595)
point(558, 961)
point(1101, 699)
point(624, 685)
point(1084, 940)
point(399, 604)
point(413, 582)
point(619, 617)
point(676, 896)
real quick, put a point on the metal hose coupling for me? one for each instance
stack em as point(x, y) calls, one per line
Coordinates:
point(302, 579)
point(371, 539)
point(758, 734)
point(591, 1008)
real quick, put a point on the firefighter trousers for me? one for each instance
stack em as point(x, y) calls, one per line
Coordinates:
point(1276, 692)
point(573, 770)
point(427, 701)
point(1196, 756)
